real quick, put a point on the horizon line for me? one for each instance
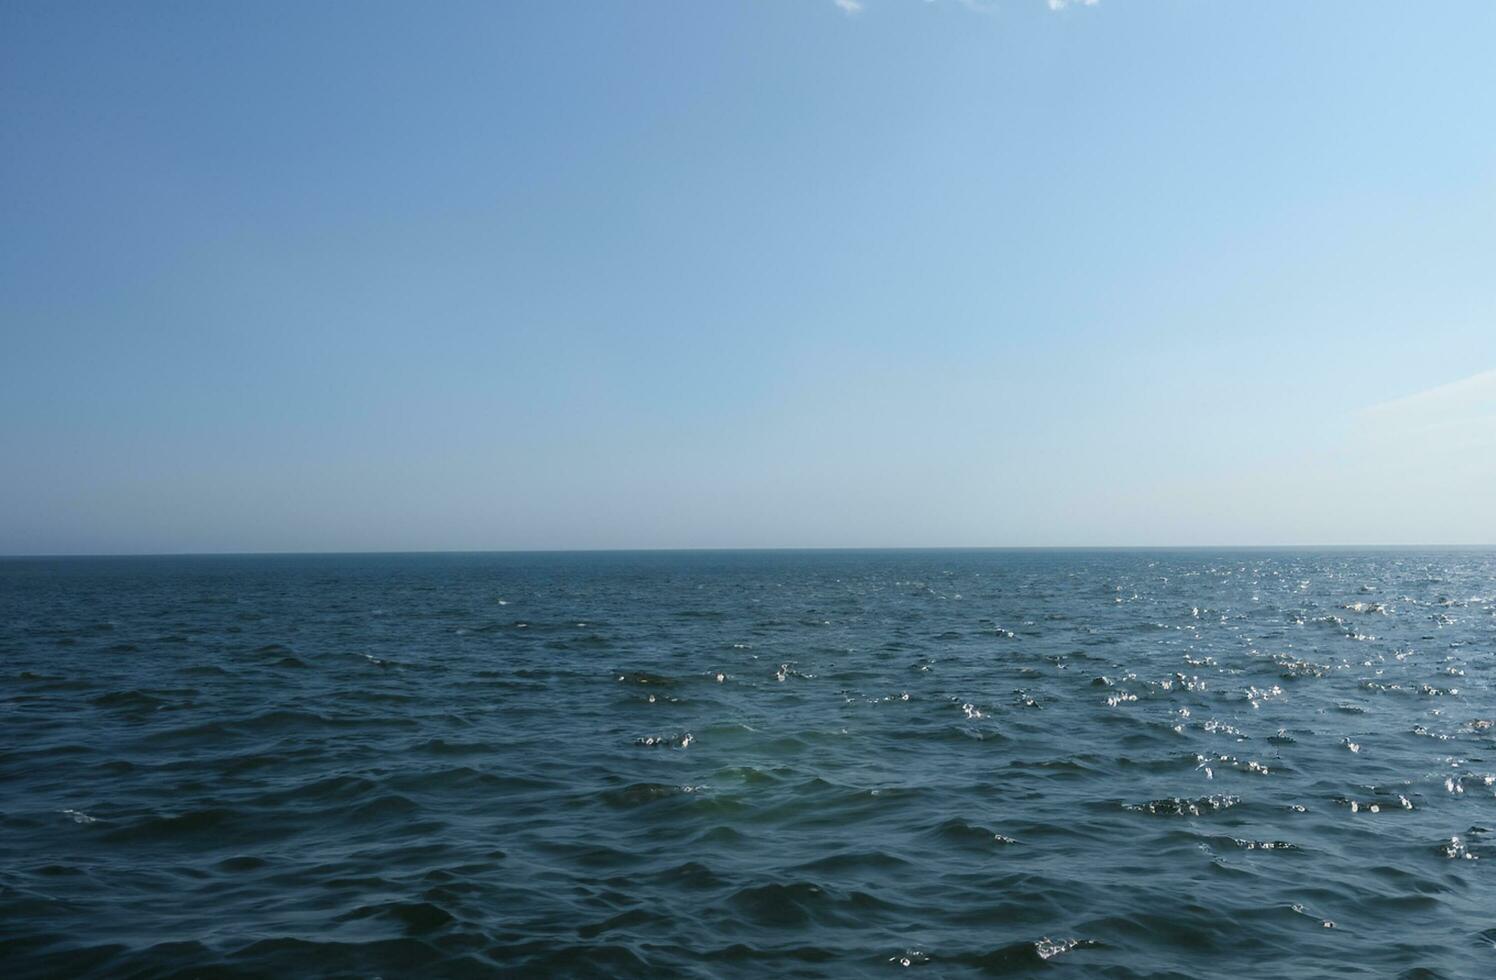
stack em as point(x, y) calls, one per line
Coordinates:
point(22, 556)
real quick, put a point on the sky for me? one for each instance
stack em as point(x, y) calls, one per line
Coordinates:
point(346, 276)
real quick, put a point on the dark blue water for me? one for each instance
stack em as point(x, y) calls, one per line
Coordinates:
point(1114, 764)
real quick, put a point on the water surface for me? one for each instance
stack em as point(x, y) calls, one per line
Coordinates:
point(968, 763)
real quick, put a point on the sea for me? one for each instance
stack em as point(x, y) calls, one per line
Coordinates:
point(957, 763)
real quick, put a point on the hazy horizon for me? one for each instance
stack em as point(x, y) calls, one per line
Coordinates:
point(340, 278)
point(707, 549)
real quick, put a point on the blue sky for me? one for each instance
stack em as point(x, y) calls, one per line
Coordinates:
point(348, 276)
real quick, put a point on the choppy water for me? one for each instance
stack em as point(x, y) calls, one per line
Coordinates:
point(1118, 764)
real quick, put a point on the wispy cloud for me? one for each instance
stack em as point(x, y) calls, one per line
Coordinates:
point(854, 7)
point(1460, 415)
point(1475, 394)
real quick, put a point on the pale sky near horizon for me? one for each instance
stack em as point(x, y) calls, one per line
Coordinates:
point(787, 273)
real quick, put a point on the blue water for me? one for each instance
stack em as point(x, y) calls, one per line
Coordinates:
point(966, 763)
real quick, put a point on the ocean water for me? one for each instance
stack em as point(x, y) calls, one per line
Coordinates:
point(961, 763)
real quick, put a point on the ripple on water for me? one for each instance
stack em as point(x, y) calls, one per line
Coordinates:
point(737, 765)
point(1177, 806)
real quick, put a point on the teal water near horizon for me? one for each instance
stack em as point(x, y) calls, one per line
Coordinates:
point(1120, 763)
